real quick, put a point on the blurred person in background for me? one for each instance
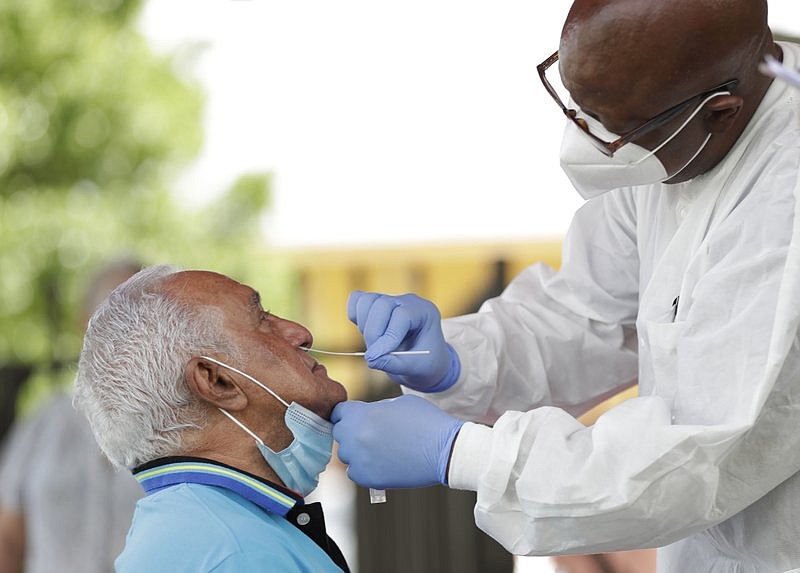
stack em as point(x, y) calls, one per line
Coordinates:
point(63, 507)
point(221, 414)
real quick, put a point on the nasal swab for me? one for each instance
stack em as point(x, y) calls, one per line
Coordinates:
point(396, 352)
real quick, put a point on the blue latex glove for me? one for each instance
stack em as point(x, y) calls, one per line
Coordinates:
point(405, 322)
point(398, 443)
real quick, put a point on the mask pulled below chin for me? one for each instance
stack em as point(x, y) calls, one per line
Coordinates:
point(300, 463)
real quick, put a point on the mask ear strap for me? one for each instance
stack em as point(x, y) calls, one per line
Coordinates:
point(696, 153)
point(253, 380)
point(242, 426)
point(680, 129)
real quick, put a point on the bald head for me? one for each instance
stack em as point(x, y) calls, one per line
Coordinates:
point(627, 61)
point(630, 49)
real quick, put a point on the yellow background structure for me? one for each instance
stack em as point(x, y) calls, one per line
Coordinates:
point(454, 277)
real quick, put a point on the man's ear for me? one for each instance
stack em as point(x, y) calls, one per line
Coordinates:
point(724, 111)
point(214, 385)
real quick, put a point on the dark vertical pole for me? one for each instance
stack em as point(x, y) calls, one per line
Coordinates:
point(12, 378)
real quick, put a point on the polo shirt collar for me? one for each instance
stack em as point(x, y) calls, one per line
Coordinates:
point(165, 472)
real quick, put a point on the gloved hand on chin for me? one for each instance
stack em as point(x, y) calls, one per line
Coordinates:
point(405, 322)
point(399, 443)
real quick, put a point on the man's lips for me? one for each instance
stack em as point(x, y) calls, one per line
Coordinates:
point(310, 361)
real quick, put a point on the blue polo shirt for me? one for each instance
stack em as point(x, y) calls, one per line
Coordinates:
point(203, 516)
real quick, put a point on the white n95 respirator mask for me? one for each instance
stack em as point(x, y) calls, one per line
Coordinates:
point(593, 173)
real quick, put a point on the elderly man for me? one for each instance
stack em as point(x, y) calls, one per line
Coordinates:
point(681, 272)
point(222, 416)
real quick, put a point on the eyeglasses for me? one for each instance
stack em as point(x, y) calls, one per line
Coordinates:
point(608, 148)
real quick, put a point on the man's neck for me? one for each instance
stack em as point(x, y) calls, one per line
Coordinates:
point(219, 445)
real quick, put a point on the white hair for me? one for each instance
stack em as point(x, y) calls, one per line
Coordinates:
point(130, 382)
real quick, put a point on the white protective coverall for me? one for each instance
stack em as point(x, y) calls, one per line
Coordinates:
point(705, 461)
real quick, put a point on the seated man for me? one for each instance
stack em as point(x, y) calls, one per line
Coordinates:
point(221, 415)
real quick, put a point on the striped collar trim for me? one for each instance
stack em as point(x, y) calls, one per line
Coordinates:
point(161, 474)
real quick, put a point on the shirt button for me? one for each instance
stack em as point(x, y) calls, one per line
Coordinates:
point(303, 519)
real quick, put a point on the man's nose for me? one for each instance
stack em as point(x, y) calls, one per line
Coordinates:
point(296, 334)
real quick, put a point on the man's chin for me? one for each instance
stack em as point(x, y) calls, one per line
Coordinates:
point(337, 393)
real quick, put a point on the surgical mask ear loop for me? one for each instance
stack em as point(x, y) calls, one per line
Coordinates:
point(242, 426)
point(231, 368)
point(680, 129)
point(693, 157)
point(228, 414)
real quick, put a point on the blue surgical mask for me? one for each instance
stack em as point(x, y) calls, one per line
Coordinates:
point(300, 463)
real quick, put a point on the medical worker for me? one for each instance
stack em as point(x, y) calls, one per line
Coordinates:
point(681, 272)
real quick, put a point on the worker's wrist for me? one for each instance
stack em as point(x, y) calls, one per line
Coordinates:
point(469, 456)
point(447, 450)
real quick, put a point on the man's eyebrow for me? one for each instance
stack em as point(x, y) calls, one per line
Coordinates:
point(255, 301)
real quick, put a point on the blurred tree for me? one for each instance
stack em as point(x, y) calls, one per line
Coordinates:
point(83, 97)
point(93, 126)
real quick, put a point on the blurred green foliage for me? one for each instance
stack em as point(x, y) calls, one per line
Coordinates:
point(93, 126)
point(83, 97)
